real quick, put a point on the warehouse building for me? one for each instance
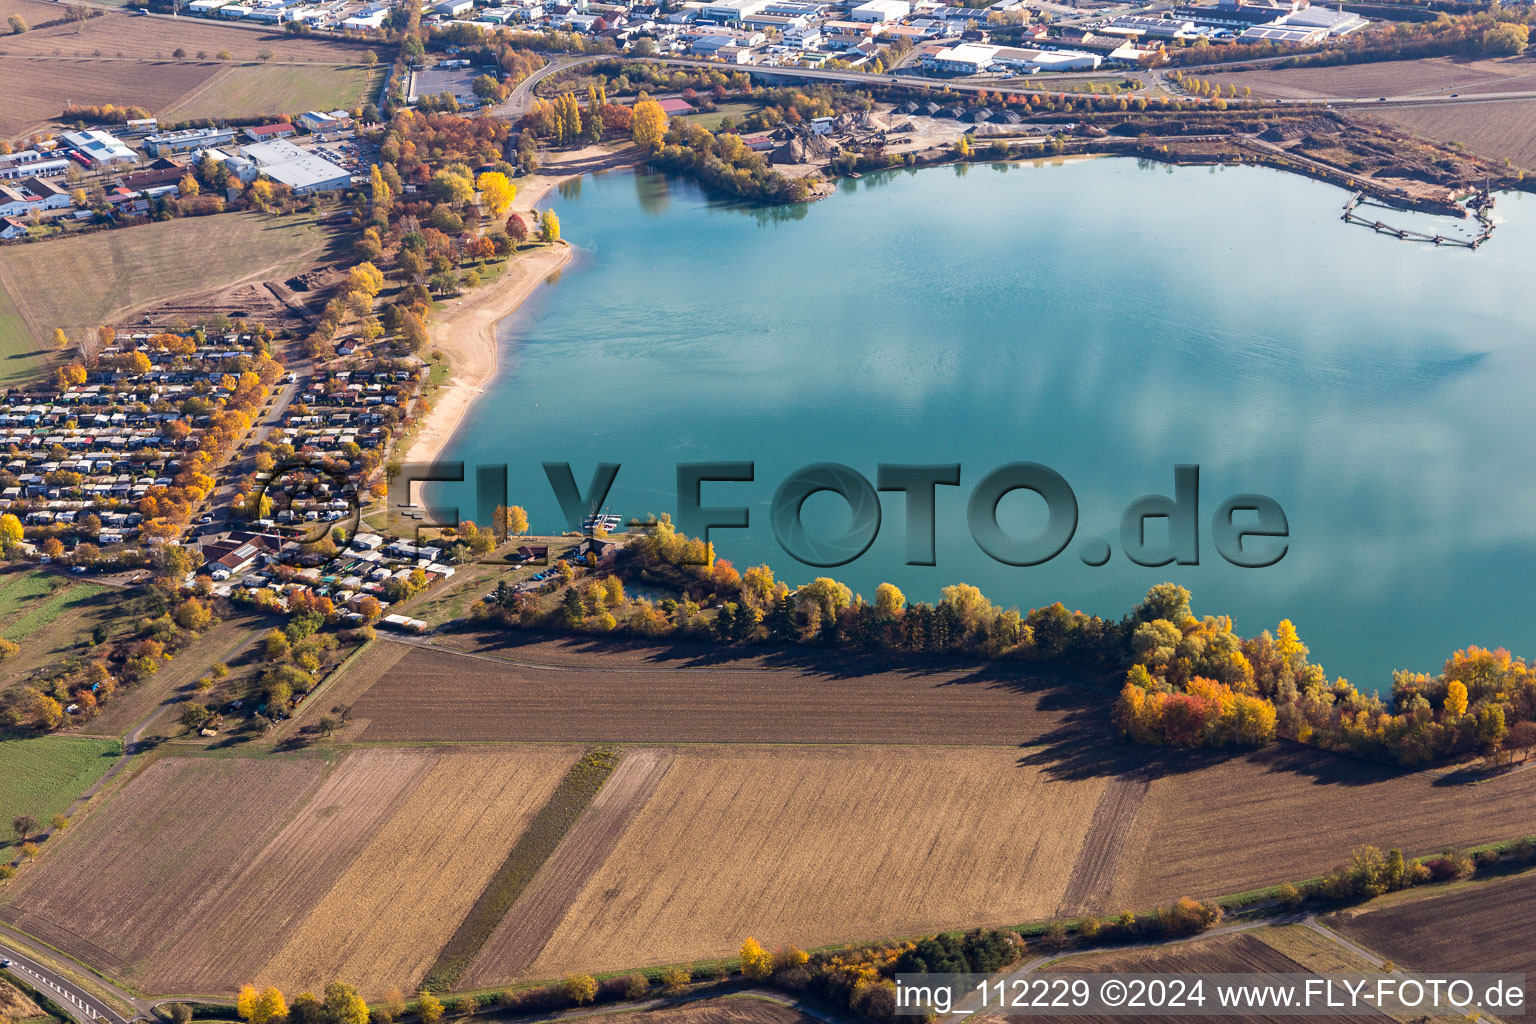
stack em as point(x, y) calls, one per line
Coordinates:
point(299, 169)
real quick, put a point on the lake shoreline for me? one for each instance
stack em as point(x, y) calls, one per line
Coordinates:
point(466, 331)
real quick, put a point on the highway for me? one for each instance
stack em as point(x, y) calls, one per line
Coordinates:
point(518, 102)
point(73, 999)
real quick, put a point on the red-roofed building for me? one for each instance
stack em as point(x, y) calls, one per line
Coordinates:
point(674, 107)
point(268, 132)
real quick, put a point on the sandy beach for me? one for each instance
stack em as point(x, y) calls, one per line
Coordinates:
point(465, 331)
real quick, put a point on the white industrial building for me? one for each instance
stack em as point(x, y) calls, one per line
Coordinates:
point(974, 58)
point(299, 169)
point(1337, 22)
point(1276, 32)
point(881, 11)
point(1151, 28)
point(171, 143)
point(961, 59)
point(730, 10)
point(98, 147)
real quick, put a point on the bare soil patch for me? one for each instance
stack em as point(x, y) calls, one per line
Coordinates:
point(1096, 866)
point(36, 87)
point(1227, 954)
point(433, 694)
point(528, 925)
point(1385, 78)
point(1477, 928)
point(118, 34)
point(155, 855)
point(1497, 129)
point(730, 1010)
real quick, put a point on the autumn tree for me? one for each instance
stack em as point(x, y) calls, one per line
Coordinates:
point(889, 601)
point(429, 1008)
point(188, 185)
point(18, 24)
point(60, 339)
point(517, 229)
point(496, 192)
point(10, 531)
point(343, 1005)
point(510, 521)
point(579, 988)
point(756, 962)
point(648, 124)
point(549, 227)
point(1456, 698)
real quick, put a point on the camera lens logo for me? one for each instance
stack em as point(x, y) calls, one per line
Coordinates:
point(313, 505)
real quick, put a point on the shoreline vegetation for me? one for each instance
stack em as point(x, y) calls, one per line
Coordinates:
point(1187, 681)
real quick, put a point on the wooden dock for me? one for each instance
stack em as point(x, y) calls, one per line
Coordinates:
point(1481, 205)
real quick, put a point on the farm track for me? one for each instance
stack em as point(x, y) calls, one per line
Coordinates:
point(532, 920)
point(1097, 864)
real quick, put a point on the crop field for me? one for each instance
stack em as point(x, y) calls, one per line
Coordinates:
point(819, 845)
point(246, 90)
point(1479, 927)
point(172, 839)
point(525, 927)
point(1498, 129)
point(42, 775)
point(217, 942)
point(117, 34)
point(208, 872)
point(439, 695)
point(36, 87)
point(1285, 814)
point(82, 282)
point(1387, 78)
point(384, 921)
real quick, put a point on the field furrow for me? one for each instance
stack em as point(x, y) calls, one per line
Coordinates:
point(820, 845)
point(532, 920)
point(384, 921)
point(225, 944)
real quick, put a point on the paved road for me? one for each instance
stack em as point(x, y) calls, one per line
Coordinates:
point(76, 1001)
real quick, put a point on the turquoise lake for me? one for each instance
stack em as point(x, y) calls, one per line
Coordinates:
point(1105, 318)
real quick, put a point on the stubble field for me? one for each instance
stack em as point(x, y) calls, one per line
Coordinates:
point(82, 282)
point(813, 846)
point(207, 872)
point(1497, 129)
point(1286, 813)
point(36, 87)
point(1227, 954)
point(246, 90)
point(385, 920)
